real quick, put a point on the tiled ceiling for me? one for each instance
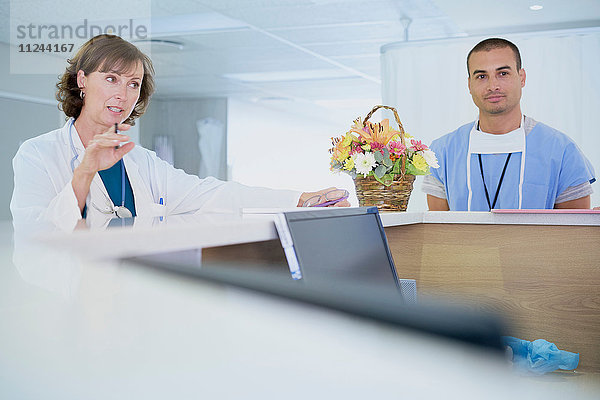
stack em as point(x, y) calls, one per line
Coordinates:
point(336, 42)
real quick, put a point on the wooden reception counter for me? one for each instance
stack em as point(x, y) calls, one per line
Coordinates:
point(542, 271)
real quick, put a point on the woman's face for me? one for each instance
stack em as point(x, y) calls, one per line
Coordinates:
point(110, 96)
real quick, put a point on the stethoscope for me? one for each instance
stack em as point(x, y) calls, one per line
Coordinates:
point(120, 211)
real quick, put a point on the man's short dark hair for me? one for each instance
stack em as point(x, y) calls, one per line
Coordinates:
point(495, 43)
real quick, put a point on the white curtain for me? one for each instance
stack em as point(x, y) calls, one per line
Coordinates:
point(163, 147)
point(211, 140)
point(427, 83)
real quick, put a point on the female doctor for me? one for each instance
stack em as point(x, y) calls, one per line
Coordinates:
point(86, 169)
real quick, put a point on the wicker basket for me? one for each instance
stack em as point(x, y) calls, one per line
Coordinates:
point(395, 197)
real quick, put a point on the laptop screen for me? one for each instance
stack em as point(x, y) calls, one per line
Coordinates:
point(342, 242)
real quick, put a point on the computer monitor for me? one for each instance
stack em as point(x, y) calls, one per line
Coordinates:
point(345, 265)
point(349, 296)
point(337, 242)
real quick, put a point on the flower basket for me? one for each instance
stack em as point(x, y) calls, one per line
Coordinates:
point(371, 192)
point(380, 161)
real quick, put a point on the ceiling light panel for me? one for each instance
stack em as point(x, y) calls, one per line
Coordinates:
point(244, 60)
point(290, 75)
point(301, 13)
point(169, 25)
point(332, 89)
point(200, 86)
point(62, 11)
point(235, 39)
point(368, 65)
point(392, 30)
point(242, 55)
point(170, 7)
point(348, 49)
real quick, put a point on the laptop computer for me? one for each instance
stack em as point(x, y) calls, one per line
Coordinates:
point(333, 243)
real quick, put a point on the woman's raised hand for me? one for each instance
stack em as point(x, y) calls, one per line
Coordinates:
point(104, 150)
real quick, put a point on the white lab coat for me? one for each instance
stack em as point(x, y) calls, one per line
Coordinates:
point(43, 192)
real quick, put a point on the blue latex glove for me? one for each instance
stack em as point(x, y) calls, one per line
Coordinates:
point(540, 356)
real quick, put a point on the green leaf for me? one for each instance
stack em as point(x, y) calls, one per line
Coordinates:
point(378, 156)
point(385, 180)
point(387, 161)
point(336, 164)
point(379, 171)
point(410, 169)
point(397, 166)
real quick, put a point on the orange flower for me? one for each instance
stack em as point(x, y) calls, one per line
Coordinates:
point(340, 150)
point(374, 132)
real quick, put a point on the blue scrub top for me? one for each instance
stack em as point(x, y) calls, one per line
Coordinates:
point(553, 162)
point(112, 181)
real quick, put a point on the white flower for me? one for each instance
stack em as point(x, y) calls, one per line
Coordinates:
point(431, 159)
point(364, 163)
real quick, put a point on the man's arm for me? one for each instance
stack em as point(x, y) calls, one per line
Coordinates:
point(583, 202)
point(437, 204)
point(436, 194)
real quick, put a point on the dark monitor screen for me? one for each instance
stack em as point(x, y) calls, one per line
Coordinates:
point(347, 266)
point(348, 243)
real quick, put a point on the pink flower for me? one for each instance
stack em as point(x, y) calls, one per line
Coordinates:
point(356, 148)
point(396, 148)
point(416, 145)
point(377, 147)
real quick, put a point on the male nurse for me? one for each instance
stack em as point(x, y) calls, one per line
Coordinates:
point(505, 160)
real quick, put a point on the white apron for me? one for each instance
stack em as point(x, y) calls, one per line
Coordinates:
point(488, 143)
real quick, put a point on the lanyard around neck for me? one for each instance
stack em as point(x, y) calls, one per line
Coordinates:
point(487, 196)
point(123, 183)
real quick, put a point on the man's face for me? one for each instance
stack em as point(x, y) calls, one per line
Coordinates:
point(494, 82)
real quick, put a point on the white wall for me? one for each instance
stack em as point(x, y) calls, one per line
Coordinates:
point(27, 109)
point(21, 120)
point(274, 148)
point(177, 118)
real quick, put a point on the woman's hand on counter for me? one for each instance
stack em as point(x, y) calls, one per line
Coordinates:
point(330, 197)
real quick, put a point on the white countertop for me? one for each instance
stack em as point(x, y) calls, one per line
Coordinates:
point(535, 217)
point(463, 217)
point(171, 234)
point(210, 230)
point(76, 327)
